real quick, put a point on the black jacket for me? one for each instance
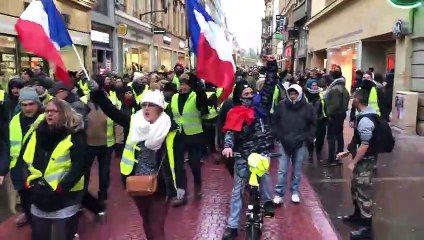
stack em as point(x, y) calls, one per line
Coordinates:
point(294, 124)
point(42, 195)
point(4, 139)
point(315, 100)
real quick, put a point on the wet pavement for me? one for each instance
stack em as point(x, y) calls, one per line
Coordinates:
point(398, 190)
point(202, 219)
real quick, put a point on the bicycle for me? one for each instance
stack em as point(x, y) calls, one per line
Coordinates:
point(255, 210)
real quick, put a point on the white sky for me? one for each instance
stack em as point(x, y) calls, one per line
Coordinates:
point(244, 21)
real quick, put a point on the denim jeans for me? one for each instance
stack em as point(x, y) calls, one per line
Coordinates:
point(236, 202)
point(297, 159)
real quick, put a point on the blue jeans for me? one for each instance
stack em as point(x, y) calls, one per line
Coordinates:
point(236, 202)
point(297, 159)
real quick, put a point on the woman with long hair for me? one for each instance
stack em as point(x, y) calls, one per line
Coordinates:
point(144, 154)
point(55, 155)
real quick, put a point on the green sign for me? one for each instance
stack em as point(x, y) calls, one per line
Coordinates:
point(278, 36)
point(406, 4)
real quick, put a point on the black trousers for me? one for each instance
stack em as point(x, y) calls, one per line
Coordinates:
point(104, 157)
point(194, 154)
point(25, 196)
point(209, 128)
point(54, 229)
point(320, 133)
point(335, 135)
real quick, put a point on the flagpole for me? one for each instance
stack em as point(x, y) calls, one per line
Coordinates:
point(81, 62)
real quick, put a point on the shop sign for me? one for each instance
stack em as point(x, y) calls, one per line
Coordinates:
point(399, 29)
point(100, 37)
point(182, 44)
point(167, 39)
point(122, 29)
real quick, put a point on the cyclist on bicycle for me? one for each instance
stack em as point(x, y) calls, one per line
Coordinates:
point(247, 131)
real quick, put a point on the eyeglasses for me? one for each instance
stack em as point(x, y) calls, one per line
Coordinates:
point(148, 105)
point(51, 111)
point(27, 104)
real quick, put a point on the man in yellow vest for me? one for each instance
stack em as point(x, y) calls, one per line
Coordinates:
point(210, 120)
point(186, 109)
point(178, 70)
point(375, 100)
point(139, 85)
point(20, 127)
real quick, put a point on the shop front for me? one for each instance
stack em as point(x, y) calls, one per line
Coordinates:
point(363, 44)
point(102, 53)
point(171, 50)
point(13, 58)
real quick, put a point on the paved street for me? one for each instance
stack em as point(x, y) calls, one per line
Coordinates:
point(398, 185)
point(205, 219)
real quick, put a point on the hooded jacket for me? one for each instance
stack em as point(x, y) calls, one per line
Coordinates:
point(294, 122)
point(336, 97)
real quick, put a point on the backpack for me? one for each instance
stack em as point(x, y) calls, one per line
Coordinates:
point(383, 137)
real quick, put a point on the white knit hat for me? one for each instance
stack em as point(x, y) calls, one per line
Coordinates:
point(156, 97)
point(137, 75)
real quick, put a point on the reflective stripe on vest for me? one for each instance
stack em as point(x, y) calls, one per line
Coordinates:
point(128, 155)
point(84, 87)
point(191, 120)
point(59, 164)
point(170, 152)
point(321, 97)
point(110, 127)
point(212, 111)
point(16, 139)
point(274, 99)
point(2, 95)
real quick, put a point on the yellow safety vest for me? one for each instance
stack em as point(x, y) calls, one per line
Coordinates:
point(219, 92)
point(373, 101)
point(58, 166)
point(274, 99)
point(321, 97)
point(110, 130)
point(176, 81)
point(84, 87)
point(139, 97)
point(16, 139)
point(191, 120)
point(212, 111)
point(128, 155)
point(2, 95)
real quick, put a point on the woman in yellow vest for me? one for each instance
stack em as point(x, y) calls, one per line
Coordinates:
point(55, 154)
point(144, 153)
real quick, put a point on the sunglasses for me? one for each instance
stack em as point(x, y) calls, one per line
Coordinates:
point(27, 104)
point(148, 105)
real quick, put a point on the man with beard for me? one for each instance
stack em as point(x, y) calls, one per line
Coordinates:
point(178, 70)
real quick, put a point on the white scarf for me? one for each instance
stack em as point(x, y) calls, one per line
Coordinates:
point(152, 133)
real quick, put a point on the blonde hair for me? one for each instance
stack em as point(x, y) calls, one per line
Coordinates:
point(154, 86)
point(68, 117)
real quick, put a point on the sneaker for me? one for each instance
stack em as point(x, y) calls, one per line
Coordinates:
point(295, 198)
point(229, 234)
point(278, 200)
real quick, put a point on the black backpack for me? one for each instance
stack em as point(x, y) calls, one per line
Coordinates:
point(383, 137)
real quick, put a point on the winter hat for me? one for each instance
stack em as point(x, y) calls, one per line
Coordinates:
point(137, 75)
point(47, 83)
point(156, 97)
point(298, 89)
point(310, 82)
point(238, 90)
point(28, 94)
point(59, 85)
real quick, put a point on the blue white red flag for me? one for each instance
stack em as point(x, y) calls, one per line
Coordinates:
point(215, 63)
point(42, 31)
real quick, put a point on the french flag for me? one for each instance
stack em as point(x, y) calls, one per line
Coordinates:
point(42, 31)
point(215, 63)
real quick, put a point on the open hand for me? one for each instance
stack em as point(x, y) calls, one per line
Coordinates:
point(227, 152)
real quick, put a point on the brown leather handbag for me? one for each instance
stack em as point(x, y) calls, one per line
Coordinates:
point(143, 185)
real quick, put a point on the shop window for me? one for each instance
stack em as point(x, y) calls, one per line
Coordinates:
point(8, 59)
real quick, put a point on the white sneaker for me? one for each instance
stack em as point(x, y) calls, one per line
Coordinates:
point(278, 200)
point(295, 198)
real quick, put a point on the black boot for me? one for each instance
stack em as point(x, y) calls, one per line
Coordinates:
point(363, 232)
point(229, 234)
point(269, 209)
point(355, 218)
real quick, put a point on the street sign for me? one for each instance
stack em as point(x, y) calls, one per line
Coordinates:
point(159, 30)
point(281, 22)
point(278, 36)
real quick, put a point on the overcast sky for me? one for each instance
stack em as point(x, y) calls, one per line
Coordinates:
point(244, 21)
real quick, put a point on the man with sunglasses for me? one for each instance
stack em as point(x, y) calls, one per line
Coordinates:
point(20, 127)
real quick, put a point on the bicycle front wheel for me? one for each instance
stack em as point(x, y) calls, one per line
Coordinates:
point(253, 232)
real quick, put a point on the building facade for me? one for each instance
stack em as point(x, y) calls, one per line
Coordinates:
point(267, 31)
point(13, 58)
